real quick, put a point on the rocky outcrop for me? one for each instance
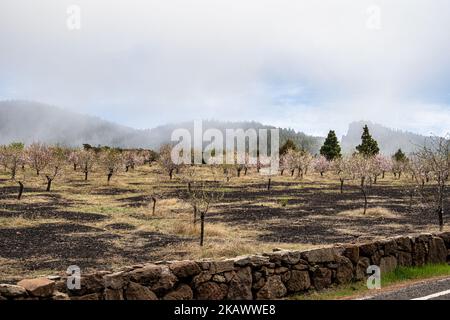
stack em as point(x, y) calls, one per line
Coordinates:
point(265, 276)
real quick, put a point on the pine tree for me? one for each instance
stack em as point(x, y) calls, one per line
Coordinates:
point(368, 146)
point(288, 145)
point(399, 156)
point(331, 148)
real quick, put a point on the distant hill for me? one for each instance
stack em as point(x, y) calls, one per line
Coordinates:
point(389, 140)
point(28, 122)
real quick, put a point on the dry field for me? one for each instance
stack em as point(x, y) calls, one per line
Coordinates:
point(95, 225)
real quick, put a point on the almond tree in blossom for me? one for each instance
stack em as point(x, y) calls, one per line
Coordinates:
point(39, 156)
point(321, 165)
point(361, 167)
point(74, 158)
point(57, 159)
point(342, 167)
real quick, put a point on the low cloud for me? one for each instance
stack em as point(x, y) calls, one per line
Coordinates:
point(310, 65)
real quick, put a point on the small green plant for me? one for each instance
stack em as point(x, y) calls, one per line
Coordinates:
point(283, 202)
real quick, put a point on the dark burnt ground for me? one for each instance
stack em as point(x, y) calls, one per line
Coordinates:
point(311, 213)
point(52, 208)
point(58, 245)
point(120, 226)
point(74, 238)
point(106, 191)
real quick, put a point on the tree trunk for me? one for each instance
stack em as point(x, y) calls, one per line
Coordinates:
point(382, 175)
point(375, 179)
point(74, 167)
point(245, 171)
point(37, 172)
point(189, 186)
point(342, 185)
point(49, 183)
point(282, 171)
point(171, 174)
point(268, 183)
point(202, 227)
point(411, 194)
point(441, 218)
point(365, 199)
point(110, 174)
point(321, 173)
point(13, 173)
point(19, 196)
point(239, 172)
point(126, 168)
point(195, 215)
point(154, 206)
point(292, 172)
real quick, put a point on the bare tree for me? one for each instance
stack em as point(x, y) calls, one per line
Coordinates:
point(149, 156)
point(131, 159)
point(111, 160)
point(155, 195)
point(188, 176)
point(202, 196)
point(165, 160)
point(21, 177)
point(87, 159)
point(435, 156)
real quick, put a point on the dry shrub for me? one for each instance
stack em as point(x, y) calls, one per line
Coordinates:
point(187, 228)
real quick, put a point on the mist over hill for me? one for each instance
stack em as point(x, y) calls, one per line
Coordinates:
point(389, 140)
point(29, 122)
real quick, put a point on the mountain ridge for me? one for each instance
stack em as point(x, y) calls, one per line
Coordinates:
point(29, 121)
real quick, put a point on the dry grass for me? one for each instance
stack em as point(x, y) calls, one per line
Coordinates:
point(376, 212)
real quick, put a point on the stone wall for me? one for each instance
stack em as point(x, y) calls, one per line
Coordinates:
point(266, 276)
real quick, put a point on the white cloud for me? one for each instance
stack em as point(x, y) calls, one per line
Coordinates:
point(307, 64)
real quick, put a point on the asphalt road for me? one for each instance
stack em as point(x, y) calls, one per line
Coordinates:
point(425, 290)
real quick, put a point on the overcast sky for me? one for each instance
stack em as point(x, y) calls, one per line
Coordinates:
point(312, 65)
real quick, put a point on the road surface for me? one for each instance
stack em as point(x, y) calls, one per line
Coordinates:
point(436, 289)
